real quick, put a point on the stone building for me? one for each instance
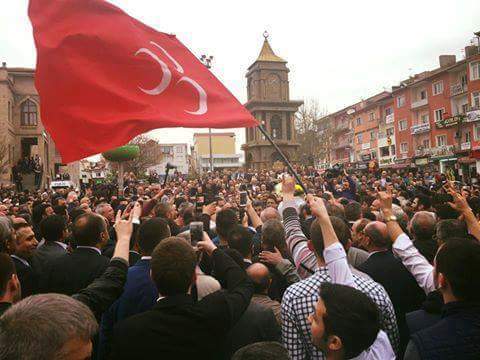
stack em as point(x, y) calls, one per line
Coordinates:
point(269, 102)
point(22, 133)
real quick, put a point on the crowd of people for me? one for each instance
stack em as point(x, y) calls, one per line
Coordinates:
point(383, 265)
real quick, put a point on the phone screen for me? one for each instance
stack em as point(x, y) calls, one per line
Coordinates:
point(243, 198)
point(196, 232)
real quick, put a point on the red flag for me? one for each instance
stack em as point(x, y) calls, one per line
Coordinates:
point(104, 77)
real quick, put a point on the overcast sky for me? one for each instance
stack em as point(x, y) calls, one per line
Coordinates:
point(338, 51)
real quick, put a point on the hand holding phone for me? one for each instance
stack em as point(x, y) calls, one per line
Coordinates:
point(196, 232)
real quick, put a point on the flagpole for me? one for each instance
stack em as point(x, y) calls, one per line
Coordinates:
point(207, 61)
point(289, 165)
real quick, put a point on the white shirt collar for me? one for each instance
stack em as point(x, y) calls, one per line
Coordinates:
point(90, 247)
point(23, 261)
point(63, 245)
point(146, 258)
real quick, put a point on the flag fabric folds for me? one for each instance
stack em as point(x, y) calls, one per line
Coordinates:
point(104, 77)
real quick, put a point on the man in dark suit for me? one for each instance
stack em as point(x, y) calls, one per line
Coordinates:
point(177, 327)
point(23, 246)
point(70, 273)
point(10, 291)
point(383, 267)
point(140, 293)
point(54, 231)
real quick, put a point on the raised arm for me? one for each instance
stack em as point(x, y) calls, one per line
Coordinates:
point(252, 215)
point(334, 253)
point(461, 205)
point(403, 247)
point(303, 257)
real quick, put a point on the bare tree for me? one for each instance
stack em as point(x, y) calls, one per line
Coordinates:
point(150, 155)
point(312, 143)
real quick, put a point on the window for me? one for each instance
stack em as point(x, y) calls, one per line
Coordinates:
point(404, 148)
point(372, 116)
point(373, 135)
point(402, 125)
point(373, 154)
point(180, 149)
point(400, 101)
point(289, 129)
point(468, 137)
point(388, 111)
point(276, 126)
point(426, 143)
point(359, 138)
point(475, 70)
point(476, 99)
point(439, 114)
point(424, 119)
point(359, 121)
point(390, 131)
point(441, 140)
point(9, 112)
point(423, 94)
point(28, 114)
point(476, 132)
point(437, 88)
point(384, 151)
point(392, 150)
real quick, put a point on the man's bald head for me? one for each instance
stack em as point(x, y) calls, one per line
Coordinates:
point(377, 235)
point(423, 225)
point(260, 276)
point(270, 213)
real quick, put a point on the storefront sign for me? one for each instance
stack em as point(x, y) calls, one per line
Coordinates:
point(441, 151)
point(420, 128)
point(366, 157)
point(421, 161)
point(465, 146)
point(365, 146)
point(450, 121)
point(386, 161)
point(472, 116)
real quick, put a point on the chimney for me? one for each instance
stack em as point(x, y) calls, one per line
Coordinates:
point(4, 64)
point(471, 50)
point(447, 60)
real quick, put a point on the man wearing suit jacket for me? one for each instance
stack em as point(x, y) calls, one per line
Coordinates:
point(140, 293)
point(23, 245)
point(387, 270)
point(54, 231)
point(69, 273)
point(177, 327)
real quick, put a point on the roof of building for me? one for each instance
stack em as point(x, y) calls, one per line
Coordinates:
point(20, 69)
point(267, 54)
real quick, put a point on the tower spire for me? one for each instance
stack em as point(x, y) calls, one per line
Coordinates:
point(267, 54)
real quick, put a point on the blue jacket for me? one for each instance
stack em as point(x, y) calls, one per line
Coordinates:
point(140, 294)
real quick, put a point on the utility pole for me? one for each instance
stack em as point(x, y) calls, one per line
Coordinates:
point(207, 61)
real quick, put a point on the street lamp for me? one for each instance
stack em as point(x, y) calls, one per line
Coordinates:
point(207, 61)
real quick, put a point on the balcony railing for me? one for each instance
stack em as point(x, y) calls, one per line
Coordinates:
point(473, 116)
point(420, 128)
point(389, 119)
point(343, 143)
point(419, 103)
point(457, 89)
point(342, 126)
point(465, 146)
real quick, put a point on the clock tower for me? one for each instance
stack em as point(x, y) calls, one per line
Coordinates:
point(269, 102)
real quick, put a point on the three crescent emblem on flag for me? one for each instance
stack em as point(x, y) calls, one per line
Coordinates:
point(167, 78)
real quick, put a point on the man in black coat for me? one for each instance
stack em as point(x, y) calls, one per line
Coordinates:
point(69, 273)
point(383, 267)
point(54, 231)
point(23, 246)
point(177, 327)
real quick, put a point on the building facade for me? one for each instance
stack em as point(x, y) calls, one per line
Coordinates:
point(223, 151)
point(268, 94)
point(430, 121)
point(175, 154)
point(22, 133)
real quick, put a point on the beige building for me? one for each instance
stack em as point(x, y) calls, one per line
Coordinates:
point(269, 102)
point(22, 133)
point(223, 151)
